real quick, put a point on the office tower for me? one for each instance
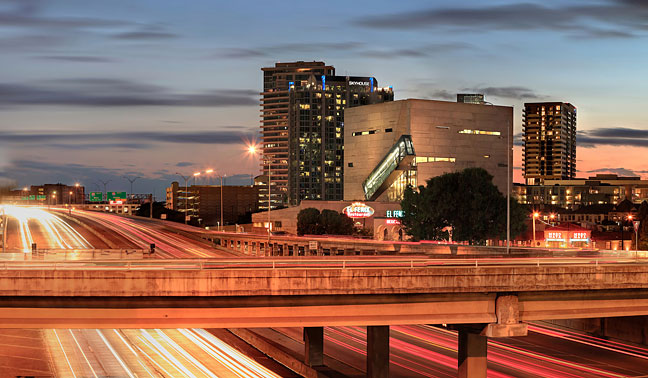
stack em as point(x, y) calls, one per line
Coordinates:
point(275, 103)
point(316, 130)
point(471, 98)
point(549, 141)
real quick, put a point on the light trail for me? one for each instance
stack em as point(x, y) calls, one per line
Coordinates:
point(117, 357)
point(64, 354)
point(83, 353)
point(58, 232)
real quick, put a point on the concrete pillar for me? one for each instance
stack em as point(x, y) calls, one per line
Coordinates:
point(378, 351)
point(285, 251)
point(471, 359)
point(295, 251)
point(314, 346)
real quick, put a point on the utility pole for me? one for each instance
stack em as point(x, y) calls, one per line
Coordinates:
point(508, 189)
point(151, 215)
point(131, 183)
point(105, 185)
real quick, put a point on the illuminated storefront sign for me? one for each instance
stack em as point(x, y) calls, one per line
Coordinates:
point(394, 213)
point(358, 210)
point(555, 236)
point(392, 221)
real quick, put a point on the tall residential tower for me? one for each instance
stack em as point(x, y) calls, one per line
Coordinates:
point(549, 141)
point(275, 103)
point(303, 128)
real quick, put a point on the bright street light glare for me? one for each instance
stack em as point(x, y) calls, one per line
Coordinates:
point(209, 171)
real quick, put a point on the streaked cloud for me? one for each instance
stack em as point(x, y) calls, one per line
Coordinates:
point(108, 92)
point(619, 136)
point(619, 19)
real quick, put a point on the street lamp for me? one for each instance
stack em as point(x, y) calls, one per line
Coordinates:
point(207, 172)
point(252, 149)
point(131, 180)
point(535, 216)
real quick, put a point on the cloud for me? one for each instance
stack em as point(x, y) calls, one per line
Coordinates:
point(285, 48)
point(613, 136)
point(102, 92)
point(76, 58)
point(442, 94)
point(621, 16)
point(145, 35)
point(184, 164)
point(514, 92)
point(137, 139)
point(417, 52)
point(619, 171)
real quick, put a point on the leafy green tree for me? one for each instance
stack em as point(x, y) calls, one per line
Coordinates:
point(308, 222)
point(466, 202)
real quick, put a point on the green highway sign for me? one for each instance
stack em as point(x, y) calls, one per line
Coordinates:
point(32, 197)
point(96, 196)
point(116, 196)
point(41, 197)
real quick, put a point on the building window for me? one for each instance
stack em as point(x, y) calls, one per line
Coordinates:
point(479, 132)
point(358, 133)
point(388, 130)
point(434, 159)
point(350, 165)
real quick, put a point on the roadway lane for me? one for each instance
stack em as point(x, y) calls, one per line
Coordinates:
point(426, 351)
point(147, 353)
point(171, 241)
point(27, 225)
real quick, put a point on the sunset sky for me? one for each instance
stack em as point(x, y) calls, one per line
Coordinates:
point(99, 90)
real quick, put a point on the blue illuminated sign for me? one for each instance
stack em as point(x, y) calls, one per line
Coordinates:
point(371, 80)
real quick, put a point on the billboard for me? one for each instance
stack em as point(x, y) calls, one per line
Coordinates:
point(96, 196)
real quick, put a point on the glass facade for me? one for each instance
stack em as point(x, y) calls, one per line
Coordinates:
point(316, 129)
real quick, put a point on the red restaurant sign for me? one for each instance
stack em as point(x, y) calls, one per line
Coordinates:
point(358, 210)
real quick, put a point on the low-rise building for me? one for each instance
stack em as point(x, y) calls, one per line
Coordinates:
point(595, 190)
point(203, 202)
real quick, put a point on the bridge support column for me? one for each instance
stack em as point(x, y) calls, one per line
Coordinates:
point(471, 358)
point(314, 346)
point(378, 351)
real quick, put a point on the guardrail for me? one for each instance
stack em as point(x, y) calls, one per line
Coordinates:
point(229, 264)
point(74, 254)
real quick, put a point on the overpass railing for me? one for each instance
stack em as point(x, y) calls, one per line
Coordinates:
point(74, 254)
point(381, 263)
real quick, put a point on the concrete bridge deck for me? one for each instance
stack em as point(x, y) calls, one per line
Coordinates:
point(251, 293)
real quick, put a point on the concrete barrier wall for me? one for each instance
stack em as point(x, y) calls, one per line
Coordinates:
point(632, 329)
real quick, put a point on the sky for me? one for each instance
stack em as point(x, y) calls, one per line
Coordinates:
point(149, 89)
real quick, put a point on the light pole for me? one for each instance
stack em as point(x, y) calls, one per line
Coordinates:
point(186, 179)
point(131, 183)
point(76, 192)
point(253, 150)
point(535, 216)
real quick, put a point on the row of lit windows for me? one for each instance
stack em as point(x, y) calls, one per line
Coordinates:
point(369, 132)
point(479, 132)
point(433, 159)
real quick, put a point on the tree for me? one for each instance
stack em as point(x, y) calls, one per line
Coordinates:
point(311, 221)
point(466, 202)
point(308, 222)
point(334, 223)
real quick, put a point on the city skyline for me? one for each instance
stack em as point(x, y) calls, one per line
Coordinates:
point(102, 91)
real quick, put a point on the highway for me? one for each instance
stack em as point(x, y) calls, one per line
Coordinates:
point(427, 351)
point(27, 225)
point(147, 353)
point(171, 240)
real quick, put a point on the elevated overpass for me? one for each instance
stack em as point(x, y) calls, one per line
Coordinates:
point(480, 298)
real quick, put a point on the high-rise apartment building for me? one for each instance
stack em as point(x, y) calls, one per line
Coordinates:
point(302, 128)
point(275, 103)
point(316, 130)
point(549, 141)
